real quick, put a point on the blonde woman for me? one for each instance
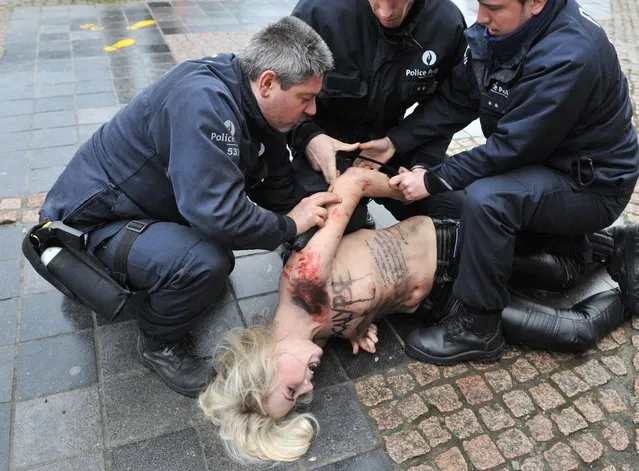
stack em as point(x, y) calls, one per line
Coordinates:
point(335, 287)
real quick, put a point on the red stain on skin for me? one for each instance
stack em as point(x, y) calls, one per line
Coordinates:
point(306, 287)
point(367, 183)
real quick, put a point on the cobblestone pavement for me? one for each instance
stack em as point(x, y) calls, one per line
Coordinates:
point(72, 393)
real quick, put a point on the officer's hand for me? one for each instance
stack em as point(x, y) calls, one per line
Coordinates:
point(311, 212)
point(320, 152)
point(379, 149)
point(410, 183)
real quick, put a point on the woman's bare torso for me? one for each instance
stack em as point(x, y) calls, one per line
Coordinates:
point(379, 272)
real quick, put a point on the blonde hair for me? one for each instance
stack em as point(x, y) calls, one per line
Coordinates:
point(234, 401)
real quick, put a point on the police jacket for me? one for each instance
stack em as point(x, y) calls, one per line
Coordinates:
point(561, 101)
point(192, 149)
point(379, 73)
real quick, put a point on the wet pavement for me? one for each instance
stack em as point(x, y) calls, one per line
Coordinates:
point(73, 395)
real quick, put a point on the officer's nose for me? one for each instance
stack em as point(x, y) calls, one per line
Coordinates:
point(483, 16)
point(311, 108)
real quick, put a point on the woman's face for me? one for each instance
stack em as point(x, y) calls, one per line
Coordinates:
point(295, 359)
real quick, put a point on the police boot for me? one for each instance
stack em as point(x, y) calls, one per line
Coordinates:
point(526, 322)
point(623, 261)
point(543, 270)
point(176, 363)
point(467, 335)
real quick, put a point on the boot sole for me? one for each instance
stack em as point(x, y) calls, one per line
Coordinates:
point(475, 355)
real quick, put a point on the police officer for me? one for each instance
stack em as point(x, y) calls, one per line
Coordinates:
point(389, 55)
point(561, 156)
point(187, 154)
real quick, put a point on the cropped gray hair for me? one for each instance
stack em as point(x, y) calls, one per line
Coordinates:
point(290, 48)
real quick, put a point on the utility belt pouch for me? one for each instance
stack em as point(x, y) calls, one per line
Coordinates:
point(58, 253)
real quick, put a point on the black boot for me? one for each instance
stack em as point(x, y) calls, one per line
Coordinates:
point(624, 264)
point(466, 335)
point(526, 322)
point(543, 270)
point(176, 363)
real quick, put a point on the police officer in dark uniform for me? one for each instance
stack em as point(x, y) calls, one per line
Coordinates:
point(199, 156)
point(561, 157)
point(389, 55)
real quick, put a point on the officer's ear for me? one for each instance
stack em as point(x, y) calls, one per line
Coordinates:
point(537, 6)
point(266, 83)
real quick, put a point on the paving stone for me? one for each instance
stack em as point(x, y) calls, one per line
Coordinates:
point(569, 421)
point(546, 396)
point(424, 373)
point(612, 401)
point(139, 407)
point(58, 426)
point(544, 362)
point(9, 279)
point(49, 157)
point(513, 443)
point(402, 383)
point(569, 383)
point(5, 429)
point(8, 321)
point(523, 371)
point(454, 370)
point(589, 409)
point(7, 355)
point(255, 275)
point(483, 453)
point(619, 336)
point(593, 373)
point(62, 136)
point(178, 450)
point(518, 402)
point(540, 428)
point(615, 364)
point(62, 316)
point(499, 380)
point(412, 407)
point(463, 424)
point(386, 417)
point(54, 119)
point(474, 389)
point(422, 467)
point(10, 203)
point(617, 436)
point(451, 460)
point(587, 447)
point(118, 348)
point(13, 169)
point(495, 417)
point(560, 458)
point(536, 463)
point(373, 390)
point(55, 364)
point(375, 460)
point(389, 354)
point(443, 398)
point(330, 371)
point(402, 446)
point(96, 115)
point(92, 462)
point(333, 407)
point(34, 283)
point(258, 310)
point(211, 327)
point(433, 431)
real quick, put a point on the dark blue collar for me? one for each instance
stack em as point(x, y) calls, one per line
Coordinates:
point(505, 47)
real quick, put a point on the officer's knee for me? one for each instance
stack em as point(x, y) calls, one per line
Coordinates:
point(203, 271)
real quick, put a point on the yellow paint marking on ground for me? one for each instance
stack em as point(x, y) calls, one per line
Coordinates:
point(141, 24)
point(91, 27)
point(119, 45)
